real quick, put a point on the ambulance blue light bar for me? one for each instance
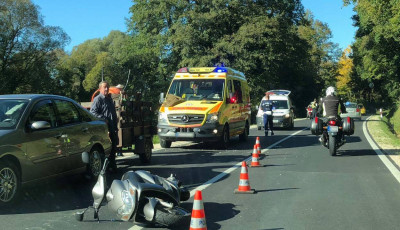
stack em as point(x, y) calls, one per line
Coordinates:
point(203, 70)
point(220, 70)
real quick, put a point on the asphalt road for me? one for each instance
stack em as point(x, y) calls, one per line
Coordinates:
point(300, 186)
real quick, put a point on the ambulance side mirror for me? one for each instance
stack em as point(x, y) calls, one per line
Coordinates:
point(162, 98)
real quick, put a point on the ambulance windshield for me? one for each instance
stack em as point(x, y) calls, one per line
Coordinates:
point(198, 89)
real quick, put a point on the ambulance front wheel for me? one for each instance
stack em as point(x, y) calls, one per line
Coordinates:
point(165, 144)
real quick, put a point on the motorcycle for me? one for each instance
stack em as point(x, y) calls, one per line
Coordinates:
point(139, 196)
point(333, 130)
point(309, 112)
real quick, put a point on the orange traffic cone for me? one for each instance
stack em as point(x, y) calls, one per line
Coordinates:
point(254, 158)
point(258, 145)
point(198, 220)
point(244, 184)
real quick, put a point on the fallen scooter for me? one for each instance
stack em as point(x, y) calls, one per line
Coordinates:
point(139, 196)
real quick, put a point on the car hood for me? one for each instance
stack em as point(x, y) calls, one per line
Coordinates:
point(195, 106)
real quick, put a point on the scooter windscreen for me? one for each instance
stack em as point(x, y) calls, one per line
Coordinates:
point(122, 199)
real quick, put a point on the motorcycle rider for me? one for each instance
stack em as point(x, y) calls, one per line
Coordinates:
point(329, 108)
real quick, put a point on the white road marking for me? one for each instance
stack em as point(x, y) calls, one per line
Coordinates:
point(229, 170)
point(239, 164)
point(382, 156)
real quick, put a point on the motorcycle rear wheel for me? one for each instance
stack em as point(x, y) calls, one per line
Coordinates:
point(332, 145)
point(169, 217)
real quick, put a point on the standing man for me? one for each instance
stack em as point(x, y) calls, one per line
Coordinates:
point(314, 106)
point(103, 107)
point(267, 107)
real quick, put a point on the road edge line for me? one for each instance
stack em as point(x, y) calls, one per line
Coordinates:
point(384, 158)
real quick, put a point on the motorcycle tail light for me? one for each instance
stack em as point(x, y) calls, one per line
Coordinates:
point(316, 120)
point(348, 120)
point(332, 123)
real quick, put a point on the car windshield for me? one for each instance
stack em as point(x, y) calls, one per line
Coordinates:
point(10, 112)
point(198, 89)
point(351, 105)
point(280, 104)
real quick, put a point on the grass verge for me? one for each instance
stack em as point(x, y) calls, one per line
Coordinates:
point(382, 134)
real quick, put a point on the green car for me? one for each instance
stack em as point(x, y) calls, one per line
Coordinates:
point(43, 136)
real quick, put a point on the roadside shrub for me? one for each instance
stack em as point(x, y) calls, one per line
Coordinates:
point(395, 121)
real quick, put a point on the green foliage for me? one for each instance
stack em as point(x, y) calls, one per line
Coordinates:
point(263, 39)
point(376, 51)
point(274, 42)
point(27, 49)
point(394, 121)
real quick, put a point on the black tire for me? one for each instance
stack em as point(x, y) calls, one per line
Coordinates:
point(10, 183)
point(148, 148)
point(224, 140)
point(332, 145)
point(168, 217)
point(96, 160)
point(165, 144)
point(244, 136)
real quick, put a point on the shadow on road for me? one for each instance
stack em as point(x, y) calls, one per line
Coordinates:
point(274, 190)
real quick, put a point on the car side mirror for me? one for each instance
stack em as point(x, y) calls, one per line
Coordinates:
point(162, 98)
point(39, 125)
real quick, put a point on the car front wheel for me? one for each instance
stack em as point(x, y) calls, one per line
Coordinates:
point(96, 159)
point(10, 182)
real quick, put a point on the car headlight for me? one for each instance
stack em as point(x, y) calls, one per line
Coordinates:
point(212, 117)
point(287, 115)
point(128, 200)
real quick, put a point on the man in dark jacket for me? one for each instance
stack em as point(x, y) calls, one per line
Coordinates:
point(103, 107)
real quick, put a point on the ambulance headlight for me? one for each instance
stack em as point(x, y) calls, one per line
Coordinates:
point(287, 115)
point(213, 117)
point(162, 117)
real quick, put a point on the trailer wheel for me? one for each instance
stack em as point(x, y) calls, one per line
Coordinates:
point(145, 157)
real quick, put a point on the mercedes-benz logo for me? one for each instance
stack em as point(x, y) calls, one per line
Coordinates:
point(185, 118)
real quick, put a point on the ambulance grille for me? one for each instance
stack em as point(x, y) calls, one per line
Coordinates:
point(185, 119)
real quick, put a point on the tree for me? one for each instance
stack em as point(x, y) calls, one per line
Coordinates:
point(259, 38)
point(376, 50)
point(344, 86)
point(26, 48)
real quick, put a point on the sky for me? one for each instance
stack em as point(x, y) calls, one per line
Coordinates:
point(88, 19)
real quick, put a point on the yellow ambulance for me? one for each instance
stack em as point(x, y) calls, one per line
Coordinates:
point(210, 104)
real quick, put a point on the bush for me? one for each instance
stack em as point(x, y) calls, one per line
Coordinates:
point(395, 121)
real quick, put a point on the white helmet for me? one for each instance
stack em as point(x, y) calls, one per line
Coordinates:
point(330, 91)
